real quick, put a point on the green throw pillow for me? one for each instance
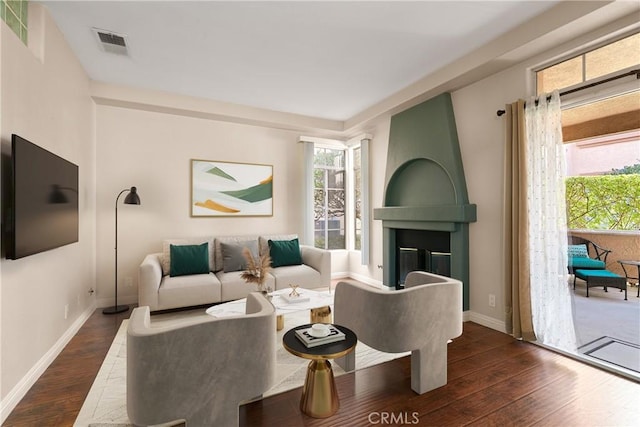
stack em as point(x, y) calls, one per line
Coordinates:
point(189, 259)
point(284, 252)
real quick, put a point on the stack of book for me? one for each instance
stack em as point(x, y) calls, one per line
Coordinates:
point(310, 340)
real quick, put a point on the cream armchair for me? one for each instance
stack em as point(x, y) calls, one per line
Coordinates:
point(420, 318)
point(199, 371)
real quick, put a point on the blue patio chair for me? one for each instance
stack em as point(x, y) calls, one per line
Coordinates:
point(581, 251)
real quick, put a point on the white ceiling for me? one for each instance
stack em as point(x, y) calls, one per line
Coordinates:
point(328, 60)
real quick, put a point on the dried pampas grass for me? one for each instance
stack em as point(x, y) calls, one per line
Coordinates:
point(257, 269)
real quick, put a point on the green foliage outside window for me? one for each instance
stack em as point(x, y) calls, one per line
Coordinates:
point(605, 202)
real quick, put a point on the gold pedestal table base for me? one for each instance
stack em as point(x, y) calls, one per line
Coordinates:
point(320, 315)
point(317, 315)
point(319, 395)
point(279, 322)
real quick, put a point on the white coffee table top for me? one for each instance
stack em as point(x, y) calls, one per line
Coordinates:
point(238, 307)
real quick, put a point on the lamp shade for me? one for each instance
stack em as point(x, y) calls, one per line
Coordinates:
point(132, 198)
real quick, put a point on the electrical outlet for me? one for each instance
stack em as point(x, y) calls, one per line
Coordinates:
point(66, 311)
point(128, 282)
point(78, 299)
point(492, 300)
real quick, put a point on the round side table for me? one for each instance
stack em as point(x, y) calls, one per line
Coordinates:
point(319, 395)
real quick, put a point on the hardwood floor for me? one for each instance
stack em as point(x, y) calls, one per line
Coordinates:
point(56, 398)
point(493, 380)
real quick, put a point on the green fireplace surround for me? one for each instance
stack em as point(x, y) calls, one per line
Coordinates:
point(425, 185)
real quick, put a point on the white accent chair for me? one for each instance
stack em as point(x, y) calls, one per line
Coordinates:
point(420, 318)
point(199, 371)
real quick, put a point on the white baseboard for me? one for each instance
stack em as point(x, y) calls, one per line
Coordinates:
point(366, 279)
point(16, 394)
point(487, 321)
point(340, 275)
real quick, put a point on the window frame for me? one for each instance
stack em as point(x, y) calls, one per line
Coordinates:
point(582, 53)
point(326, 189)
point(349, 190)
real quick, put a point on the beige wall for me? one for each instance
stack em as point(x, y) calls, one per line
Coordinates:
point(45, 99)
point(152, 151)
point(481, 135)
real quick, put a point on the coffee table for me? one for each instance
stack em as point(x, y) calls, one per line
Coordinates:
point(319, 304)
point(319, 395)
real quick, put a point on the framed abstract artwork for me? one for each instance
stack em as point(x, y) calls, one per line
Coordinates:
point(231, 189)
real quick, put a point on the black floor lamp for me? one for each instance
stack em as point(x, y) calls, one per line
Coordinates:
point(131, 199)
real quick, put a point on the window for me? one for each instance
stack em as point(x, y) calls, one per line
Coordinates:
point(336, 208)
point(601, 132)
point(329, 198)
point(14, 13)
point(603, 182)
point(357, 198)
point(600, 62)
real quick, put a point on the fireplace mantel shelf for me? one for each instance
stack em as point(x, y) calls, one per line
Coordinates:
point(442, 213)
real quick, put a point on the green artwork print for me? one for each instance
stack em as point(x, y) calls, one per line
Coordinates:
point(219, 172)
point(231, 189)
point(256, 193)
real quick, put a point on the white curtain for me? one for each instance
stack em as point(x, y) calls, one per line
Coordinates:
point(551, 302)
point(364, 194)
point(308, 149)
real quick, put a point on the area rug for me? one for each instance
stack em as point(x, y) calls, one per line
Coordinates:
point(105, 404)
point(615, 351)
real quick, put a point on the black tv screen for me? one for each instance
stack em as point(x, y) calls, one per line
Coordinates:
point(44, 212)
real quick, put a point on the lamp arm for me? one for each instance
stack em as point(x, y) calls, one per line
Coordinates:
point(116, 215)
point(120, 194)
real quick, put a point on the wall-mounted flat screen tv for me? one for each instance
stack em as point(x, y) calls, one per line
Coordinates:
point(44, 209)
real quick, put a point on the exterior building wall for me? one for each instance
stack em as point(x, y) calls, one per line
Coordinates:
point(599, 156)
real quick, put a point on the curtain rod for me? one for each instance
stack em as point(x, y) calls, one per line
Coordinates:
point(587, 86)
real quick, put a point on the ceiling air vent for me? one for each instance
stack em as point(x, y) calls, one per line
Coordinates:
point(111, 42)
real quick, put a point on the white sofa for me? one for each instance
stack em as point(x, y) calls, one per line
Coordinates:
point(160, 291)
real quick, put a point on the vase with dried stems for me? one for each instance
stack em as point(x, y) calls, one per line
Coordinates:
point(257, 269)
